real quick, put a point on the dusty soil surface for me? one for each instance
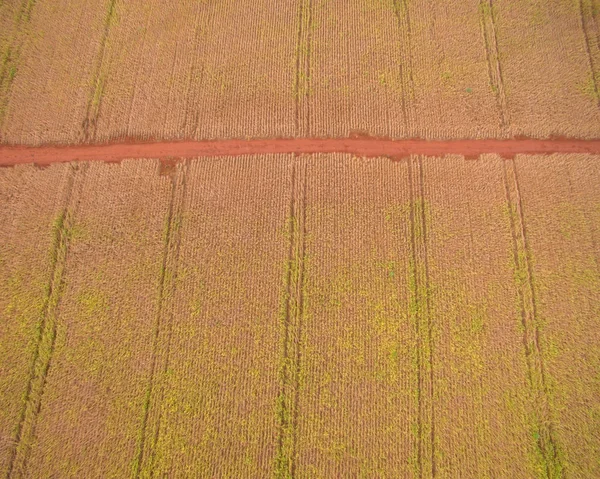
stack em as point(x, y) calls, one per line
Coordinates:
point(361, 146)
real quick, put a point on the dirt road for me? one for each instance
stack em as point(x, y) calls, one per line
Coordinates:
point(360, 146)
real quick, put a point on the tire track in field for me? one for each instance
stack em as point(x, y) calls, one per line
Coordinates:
point(10, 56)
point(588, 10)
point(192, 117)
point(138, 68)
point(429, 318)
point(292, 318)
point(94, 103)
point(490, 39)
point(413, 302)
point(544, 435)
point(420, 316)
point(152, 418)
point(196, 75)
point(168, 300)
point(406, 66)
point(303, 68)
point(62, 230)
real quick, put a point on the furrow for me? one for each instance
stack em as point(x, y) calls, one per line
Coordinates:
point(41, 361)
point(89, 124)
point(152, 414)
point(547, 448)
point(490, 38)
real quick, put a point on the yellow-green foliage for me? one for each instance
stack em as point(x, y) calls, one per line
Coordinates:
point(23, 14)
point(588, 87)
point(301, 86)
point(591, 8)
point(291, 316)
point(11, 52)
point(545, 454)
point(61, 234)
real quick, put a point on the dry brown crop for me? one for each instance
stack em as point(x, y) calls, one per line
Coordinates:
point(301, 316)
point(31, 208)
point(300, 239)
point(89, 71)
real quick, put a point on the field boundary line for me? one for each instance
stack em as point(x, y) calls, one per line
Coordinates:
point(526, 292)
point(490, 38)
point(292, 318)
point(94, 101)
point(588, 25)
point(62, 230)
point(163, 327)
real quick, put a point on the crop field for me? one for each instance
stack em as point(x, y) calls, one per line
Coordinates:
point(351, 318)
point(300, 239)
point(95, 71)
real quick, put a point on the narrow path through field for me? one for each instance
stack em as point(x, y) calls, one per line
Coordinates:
point(361, 146)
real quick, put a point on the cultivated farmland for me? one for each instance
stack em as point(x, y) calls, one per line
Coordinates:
point(88, 71)
point(299, 239)
point(352, 317)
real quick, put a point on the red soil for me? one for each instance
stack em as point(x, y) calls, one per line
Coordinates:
point(358, 145)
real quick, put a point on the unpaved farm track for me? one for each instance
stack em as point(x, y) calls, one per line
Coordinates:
point(361, 146)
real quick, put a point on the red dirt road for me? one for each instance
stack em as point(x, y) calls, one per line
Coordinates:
point(360, 146)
